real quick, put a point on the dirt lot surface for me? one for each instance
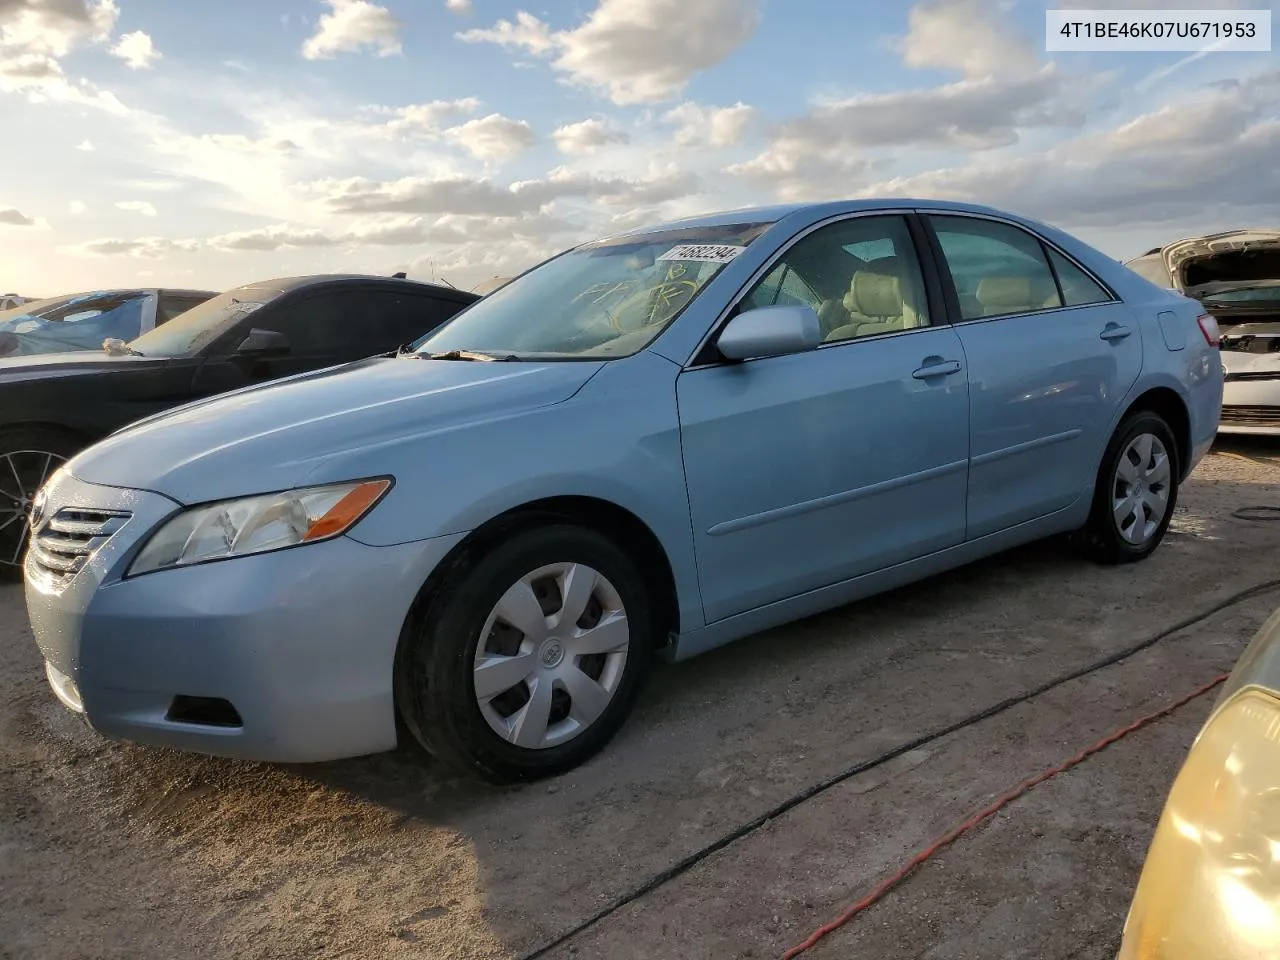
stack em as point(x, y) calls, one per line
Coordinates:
point(108, 850)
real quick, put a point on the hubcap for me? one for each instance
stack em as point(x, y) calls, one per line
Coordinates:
point(551, 655)
point(22, 474)
point(1141, 487)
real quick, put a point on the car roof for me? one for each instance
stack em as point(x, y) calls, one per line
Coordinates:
point(282, 285)
point(817, 211)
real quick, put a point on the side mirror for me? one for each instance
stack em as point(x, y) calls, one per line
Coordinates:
point(770, 332)
point(261, 342)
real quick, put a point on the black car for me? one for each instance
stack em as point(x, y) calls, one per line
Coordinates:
point(54, 405)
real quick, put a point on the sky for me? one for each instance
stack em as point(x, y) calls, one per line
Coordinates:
point(166, 143)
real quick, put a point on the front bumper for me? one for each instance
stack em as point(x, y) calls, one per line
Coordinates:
point(300, 643)
point(1251, 407)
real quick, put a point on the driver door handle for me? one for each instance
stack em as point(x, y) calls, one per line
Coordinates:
point(939, 368)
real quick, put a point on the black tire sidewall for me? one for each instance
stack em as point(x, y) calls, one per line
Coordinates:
point(1103, 539)
point(441, 708)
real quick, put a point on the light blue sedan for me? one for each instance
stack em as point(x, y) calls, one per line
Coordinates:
point(659, 441)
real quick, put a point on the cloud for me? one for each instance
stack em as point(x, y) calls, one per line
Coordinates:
point(428, 119)
point(963, 35)
point(142, 247)
point(1155, 168)
point(587, 136)
point(458, 6)
point(494, 137)
point(239, 143)
point(455, 228)
point(77, 207)
point(136, 50)
point(353, 25)
point(271, 238)
point(41, 79)
point(54, 27)
point(137, 206)
point(697, 125)
point(464, 196)
point(86, 146)
point(16, 218)
point(634, 51)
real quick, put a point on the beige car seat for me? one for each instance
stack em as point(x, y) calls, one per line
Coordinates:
point(877, 302)
point(1004, 295)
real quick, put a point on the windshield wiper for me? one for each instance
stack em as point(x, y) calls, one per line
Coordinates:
point(469, 355)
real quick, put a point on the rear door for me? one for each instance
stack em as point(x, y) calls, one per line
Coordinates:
point(1051, 352)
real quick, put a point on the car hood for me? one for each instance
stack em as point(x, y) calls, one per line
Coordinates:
point(63, 364)
point(318, 427)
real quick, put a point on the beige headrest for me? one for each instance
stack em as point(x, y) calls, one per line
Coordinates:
point(1010, 293)
point(875, 293)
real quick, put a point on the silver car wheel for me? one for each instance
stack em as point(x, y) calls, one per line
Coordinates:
point(22, 474)
point(1140, 491)
point(551, 655)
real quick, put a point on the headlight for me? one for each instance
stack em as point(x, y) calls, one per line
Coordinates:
point(236, 528)
point(1211, 883)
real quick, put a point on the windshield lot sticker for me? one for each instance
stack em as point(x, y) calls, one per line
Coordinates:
point(703, 252)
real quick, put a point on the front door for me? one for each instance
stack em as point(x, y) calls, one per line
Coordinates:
point(810, 469)
point(1051, 356)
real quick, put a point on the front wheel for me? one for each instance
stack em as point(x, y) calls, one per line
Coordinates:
point(531, 657)
point(28, 457)
point(1136, 492)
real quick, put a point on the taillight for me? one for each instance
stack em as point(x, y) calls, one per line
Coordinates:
point(1209, 327)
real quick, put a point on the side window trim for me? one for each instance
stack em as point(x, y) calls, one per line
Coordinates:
point(1045, 245)
point(704, 355)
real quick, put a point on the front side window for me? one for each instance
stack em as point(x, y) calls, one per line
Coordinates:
point(997, 269)
point(861, 276)
point(602, 300)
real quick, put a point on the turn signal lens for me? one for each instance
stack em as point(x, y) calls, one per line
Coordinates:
point(236, 528)
point(1209, 327)
point(1211, 885)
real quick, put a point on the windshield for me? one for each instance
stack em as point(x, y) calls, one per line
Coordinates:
point(602, 300)
point(188, 333)
point(76, 323)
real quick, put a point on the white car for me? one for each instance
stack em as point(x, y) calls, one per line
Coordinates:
point(1236, 275)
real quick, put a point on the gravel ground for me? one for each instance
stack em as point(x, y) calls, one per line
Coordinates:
point(108, 850)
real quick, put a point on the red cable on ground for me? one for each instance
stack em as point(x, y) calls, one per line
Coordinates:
point(879, 892)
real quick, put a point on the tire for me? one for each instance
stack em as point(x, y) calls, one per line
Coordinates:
point(476, 722)
point(28, 457)
point(1125, 523)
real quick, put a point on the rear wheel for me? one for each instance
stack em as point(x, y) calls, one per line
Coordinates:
point(1136, 492)
point(531, 657)
point(28, 457)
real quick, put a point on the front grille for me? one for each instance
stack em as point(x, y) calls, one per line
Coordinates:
point(64, 543)
point(1242, 416)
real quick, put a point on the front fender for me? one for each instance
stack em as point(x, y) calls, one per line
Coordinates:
point(617, 440)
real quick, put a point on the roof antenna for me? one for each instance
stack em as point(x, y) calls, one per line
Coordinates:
point(448, 284)
point(400, 276)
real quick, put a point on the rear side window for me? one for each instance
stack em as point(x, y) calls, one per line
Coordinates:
point(1078, 288)
point(401, 317)
point(998, 269)
point(356, 323)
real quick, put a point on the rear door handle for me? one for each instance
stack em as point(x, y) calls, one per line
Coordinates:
point(943, 368)
point(1114, 332)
